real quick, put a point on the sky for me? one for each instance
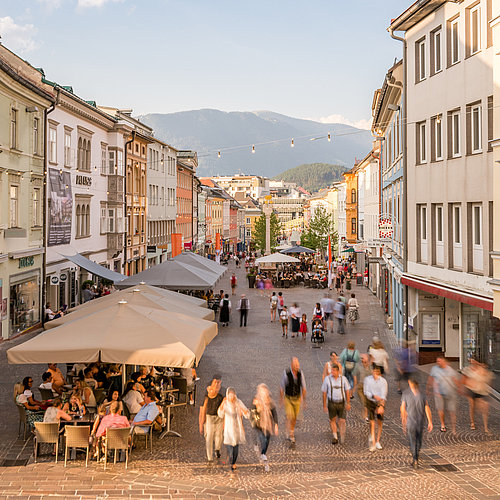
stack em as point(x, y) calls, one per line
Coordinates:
point(315, 59)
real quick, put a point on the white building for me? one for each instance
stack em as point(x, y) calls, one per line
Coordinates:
point(340, 218)
point(85, 214)
point(449, 81)
point(254, 186)
point(161, 211)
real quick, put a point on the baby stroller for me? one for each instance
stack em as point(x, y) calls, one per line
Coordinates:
point(317, 335)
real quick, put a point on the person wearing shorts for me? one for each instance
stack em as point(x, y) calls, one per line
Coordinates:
point(336, 400)
point(375, 391)
point(292, 394)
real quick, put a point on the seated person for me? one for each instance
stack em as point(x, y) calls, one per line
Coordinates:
point(75, 406)
point(88, 377)
point(113, 420)
point(47, 383)
point(148, 377)
point(55, 412)
point(50, 314)
point(190, 375)
point(114, 375)
point(99, 374)
point(113, 397)
point(138, 377)
point(57, 377)
point(147, 414)
point(133, 398)
point(27, 385)
point(22, 400)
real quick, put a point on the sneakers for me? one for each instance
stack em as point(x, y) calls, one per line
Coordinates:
point(217, 453)
point(378, 446)
point(334, 440)
point(372, 447)
point(263, 458)
point(266, 467)
point(191, 402)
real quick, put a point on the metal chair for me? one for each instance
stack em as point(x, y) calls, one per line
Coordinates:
point(22, 420)
point(46, 432)
point(181, 384)
point(148, 434)
point(46, 394)
point(77, 437)
point(116, 439)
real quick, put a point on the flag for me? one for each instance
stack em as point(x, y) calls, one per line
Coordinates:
point(329, 263)
point(217, 248)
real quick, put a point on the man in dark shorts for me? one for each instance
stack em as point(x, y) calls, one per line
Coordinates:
point(336, 400)
point(211, 425)
point(375, 392)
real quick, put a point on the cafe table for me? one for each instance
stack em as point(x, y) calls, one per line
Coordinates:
point(168, 404)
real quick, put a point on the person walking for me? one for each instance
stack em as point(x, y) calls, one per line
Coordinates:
point(243, 307)
point(303, 326)
point(476, 380)
point(339, 312)
point(353, 309)
point(375, 392)
point(295, 319)
point(265, 421)
point(232, 410)
point(211, 425)
point(349, 358)
point(334, 360)
point(233, 283)
point(273, 301)
point(414, 412)
point(284, 321)
point(363, 370)
point(281, 303)
point(225, 310)
point(443, 381)
point(379, 356)
point(293, 395)
point(328, 305)
point(336, 400)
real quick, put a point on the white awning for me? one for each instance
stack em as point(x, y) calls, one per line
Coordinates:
point(95, 268)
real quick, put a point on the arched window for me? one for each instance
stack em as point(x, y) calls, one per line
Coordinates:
point(88, 156)
point(353, 195)
point(87, 221)
point(79, 159)
point(78, 215)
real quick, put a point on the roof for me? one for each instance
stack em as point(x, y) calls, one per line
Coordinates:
point(414, 14)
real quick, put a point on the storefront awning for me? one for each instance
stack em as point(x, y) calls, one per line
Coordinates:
point(95, 268)
point(448, 291)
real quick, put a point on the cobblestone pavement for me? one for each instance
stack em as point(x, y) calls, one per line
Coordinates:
point(454, 467)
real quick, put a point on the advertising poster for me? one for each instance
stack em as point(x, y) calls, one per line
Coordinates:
point(60, 208)
point(431, 329)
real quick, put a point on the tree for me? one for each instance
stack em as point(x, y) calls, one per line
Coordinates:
point(259, 234)
point(320, 227)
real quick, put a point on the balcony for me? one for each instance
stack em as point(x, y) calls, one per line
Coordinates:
point(116, 188)
point(115, 244)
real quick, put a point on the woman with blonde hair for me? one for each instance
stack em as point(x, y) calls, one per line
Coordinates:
point(232, 410)
point(264, 420)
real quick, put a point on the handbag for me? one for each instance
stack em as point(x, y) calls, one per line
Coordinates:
point(254, 418)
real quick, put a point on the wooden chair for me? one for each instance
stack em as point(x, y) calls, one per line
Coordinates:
point(46, 432)
point(77, 437)
point(46, 394)
point(116, 439)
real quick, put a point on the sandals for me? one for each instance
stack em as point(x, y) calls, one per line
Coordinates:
point(443, 428)
point(472, 427)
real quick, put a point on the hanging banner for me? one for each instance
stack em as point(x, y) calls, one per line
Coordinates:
point(61, 208)
point(217, 247)
point(329, 262)
point(385, 228)
point(176, 244)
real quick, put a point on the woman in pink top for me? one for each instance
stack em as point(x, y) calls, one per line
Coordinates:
point(113, 420)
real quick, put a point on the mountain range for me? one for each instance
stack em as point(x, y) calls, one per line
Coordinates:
point(209, 131)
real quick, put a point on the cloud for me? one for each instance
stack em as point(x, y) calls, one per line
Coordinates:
point(17, 37)
point(335, 118)
point(83, 4)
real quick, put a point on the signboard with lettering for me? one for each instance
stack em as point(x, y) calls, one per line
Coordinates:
point(54, 280)
point(151, 248)
point(83, 180)
point(431, 329)
point(26, 261)
point(60, 208)
point(385, 228)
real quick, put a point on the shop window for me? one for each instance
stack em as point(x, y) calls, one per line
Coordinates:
point(24, 304)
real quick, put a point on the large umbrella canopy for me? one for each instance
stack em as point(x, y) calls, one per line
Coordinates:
point(173, 275)
point(124, 334)
point(348, 250)
point(297, 249)
point(171, 295)
point(136, 297)
point(193, 259)
point(276, 258)
point(283, 246)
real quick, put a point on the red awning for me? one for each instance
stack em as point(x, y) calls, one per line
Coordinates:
point(448, 291)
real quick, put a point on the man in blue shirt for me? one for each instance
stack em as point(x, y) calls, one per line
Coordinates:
point(146, 414)
point(335, 390)
point(375, 391)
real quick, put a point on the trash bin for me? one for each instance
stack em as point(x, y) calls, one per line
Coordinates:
point(359, 279)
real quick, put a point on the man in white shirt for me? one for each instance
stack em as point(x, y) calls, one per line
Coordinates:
point(47, 383)
point(375, 391)
point(335, 391)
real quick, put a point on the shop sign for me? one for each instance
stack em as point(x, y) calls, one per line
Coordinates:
point(385, 228)
point(83, 180)
point(3, 306)
point(63, 278)
point(26, 261)
point(151, 248)
point(431, 329)
point(54, 280)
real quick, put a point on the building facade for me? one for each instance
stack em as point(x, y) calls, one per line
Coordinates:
point(187, 162)
point(23, 104)
point(161, 210)
point(351, 206)
point(253, 186)
point(450, 171)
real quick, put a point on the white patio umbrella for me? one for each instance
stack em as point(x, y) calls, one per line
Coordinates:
point(276, 258)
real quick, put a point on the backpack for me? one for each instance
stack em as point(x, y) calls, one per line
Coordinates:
point(350, 364)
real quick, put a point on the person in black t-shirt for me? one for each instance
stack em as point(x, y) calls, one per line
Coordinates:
point(211, 425)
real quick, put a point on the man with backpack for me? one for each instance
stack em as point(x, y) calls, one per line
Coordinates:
point(339, 313)
point(349, 358)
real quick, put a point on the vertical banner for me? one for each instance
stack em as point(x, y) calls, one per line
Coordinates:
point(61, 208)
point(329, 262)
point(217, 248)
point(176, 244)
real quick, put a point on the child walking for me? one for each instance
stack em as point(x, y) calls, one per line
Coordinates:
point(284, 321)
point(303, 326)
